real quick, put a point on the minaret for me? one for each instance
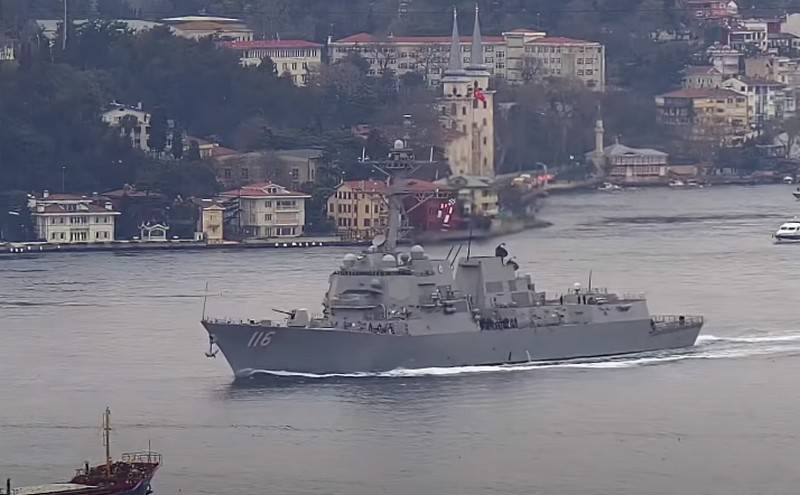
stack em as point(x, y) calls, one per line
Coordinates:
point(476, 66)
point(598, 156)
point(454, 65)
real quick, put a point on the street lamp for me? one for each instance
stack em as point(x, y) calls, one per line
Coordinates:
point(63, 178)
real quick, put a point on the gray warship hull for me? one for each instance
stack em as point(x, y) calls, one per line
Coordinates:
point(252, 348)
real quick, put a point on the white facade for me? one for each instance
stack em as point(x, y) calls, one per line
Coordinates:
point(67, 218)
point(268, 210)
point(7, 52)
point(133, 123)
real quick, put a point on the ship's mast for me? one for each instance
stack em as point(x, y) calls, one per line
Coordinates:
point(107, 439)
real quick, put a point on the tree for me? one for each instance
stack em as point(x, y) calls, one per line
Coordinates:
point(157, 141)
point(177, 143)
point(194, 151)
point(268, 66)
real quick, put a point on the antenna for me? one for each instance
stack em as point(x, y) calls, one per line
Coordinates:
point(64, 28)
point(590, 281)
point(107, 439)
point(455, 256)
point(205, 297)
point(469, 242)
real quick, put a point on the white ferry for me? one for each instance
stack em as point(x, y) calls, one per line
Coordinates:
point(788, 232)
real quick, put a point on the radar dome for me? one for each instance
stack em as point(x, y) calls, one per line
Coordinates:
point(399, 144)
point(388, 260)
point(417, 252)
point(349, 259)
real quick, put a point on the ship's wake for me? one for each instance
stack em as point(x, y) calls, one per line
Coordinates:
point(707, 347)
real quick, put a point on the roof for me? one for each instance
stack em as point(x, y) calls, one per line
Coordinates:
point(196, 18)
point(261, 190)
point(701, 93)
point(700, 70)
point(365, 186)
point(560, 40)
point(247, 45)
point(59, 209)
point(63, 197)
point(423, 186)
point(369, 38)
point(755, 81)
point(208, 26)
point(299, 154)
point(221, 151)
point(621, 150)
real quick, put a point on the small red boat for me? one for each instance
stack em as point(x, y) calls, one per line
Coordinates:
point(131, 475)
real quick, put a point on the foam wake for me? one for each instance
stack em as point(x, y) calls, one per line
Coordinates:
point(707, 347)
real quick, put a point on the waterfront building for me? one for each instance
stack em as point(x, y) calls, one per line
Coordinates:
point(764, 97)
point(710, 113)
point(295, 59)
point(197, 27)
point(476, 195)
point(153, 232)
point(289, 168)
point(358, 208)
point(210, 222)
point(467, 109)
point(265, 209)
point(516, 56)
point(70, 218)
point(711, 9)
point(625, 164)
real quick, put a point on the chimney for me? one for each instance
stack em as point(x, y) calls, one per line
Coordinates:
point(39, 208)
point(139, 106)
point(45, 194)
point(109, 206)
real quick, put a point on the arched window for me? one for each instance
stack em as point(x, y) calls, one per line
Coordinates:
point(484, 105)
point(464, 110)
point(453, 109)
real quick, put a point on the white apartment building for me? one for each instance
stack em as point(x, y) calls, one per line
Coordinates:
point(292, 58)
point(515, 56)
point(267, 210)
point(69, 218)
point(7, 50)
point(133, 122)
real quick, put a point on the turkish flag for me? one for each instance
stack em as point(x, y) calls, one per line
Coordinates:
point(479, 95)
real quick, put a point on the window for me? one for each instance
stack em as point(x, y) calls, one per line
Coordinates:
point(295, 173)
point(286, 204)
point(305, 65)
point(464, 110)
point(453, 109)
point(268, 217)
point(367, 222)
point(227, 173)
point(53, 235)
point(366, 209)
point(245, 173)
point(294, 65)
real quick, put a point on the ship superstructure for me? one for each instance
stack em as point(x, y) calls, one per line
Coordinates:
point(387, 308)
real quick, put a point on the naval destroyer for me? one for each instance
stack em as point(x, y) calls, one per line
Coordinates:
point(388, 309)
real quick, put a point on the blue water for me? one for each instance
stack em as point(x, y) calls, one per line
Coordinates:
point(82, 331)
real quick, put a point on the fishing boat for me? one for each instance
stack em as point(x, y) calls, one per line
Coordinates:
point(130, 475)
point(796, 193)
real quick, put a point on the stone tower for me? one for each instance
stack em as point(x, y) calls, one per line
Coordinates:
point(467, 108)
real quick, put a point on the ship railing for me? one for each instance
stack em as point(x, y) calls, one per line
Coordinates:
point(142, 457)
point(240, 321)
point(675, 321)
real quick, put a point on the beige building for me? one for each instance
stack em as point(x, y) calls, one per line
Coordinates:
point(477, 195)
point(358, 208)
point(290, 168)
point(211, 222)
point(710, 113)
point(196, 27)
point(265, 210)
point(7, 50)
point(516, 56)
point(295, 59)
point(69, 218)
point(467, 110)
point(566, 57)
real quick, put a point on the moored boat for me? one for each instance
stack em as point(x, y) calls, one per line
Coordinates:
point(796, 193)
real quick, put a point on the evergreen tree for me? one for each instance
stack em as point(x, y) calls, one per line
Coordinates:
point(177, 143)
point(193, 155)
point(158, 130)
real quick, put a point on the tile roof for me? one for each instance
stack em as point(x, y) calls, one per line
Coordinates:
point(246, 45)
point(369, 38)
point(701, 93)
point(366, 186)
point(700, 70)
point(560, 40)
point(91, 208)
point(756, 81)
point(261, 190)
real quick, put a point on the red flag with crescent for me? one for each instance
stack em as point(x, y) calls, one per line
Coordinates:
point(479, 95)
